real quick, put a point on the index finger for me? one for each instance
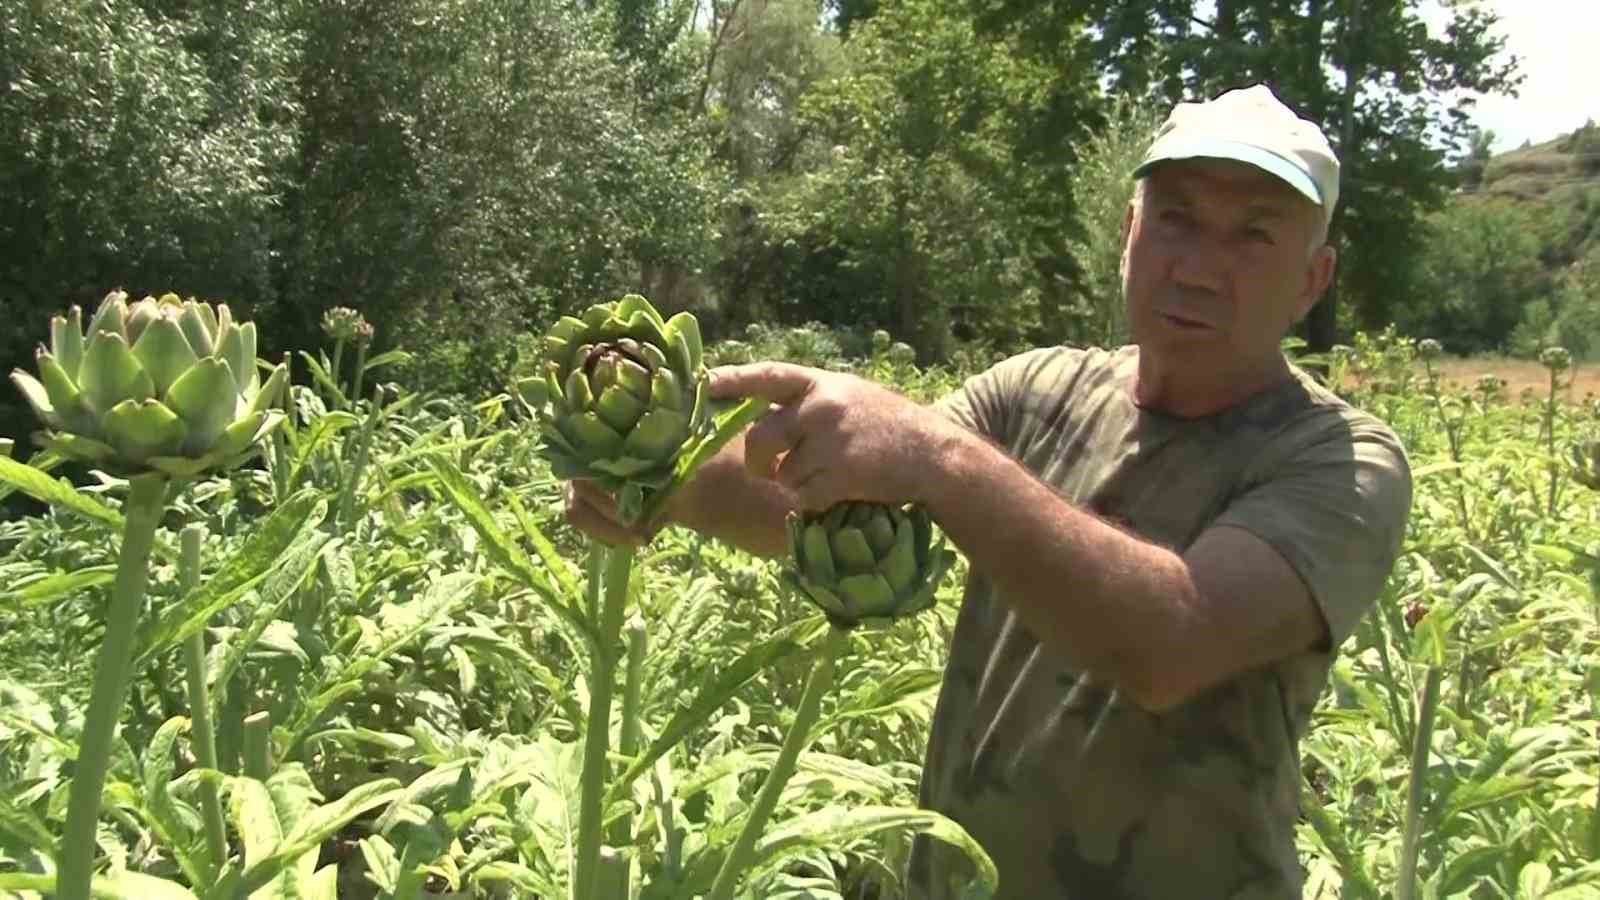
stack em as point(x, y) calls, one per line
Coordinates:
point(775, 381)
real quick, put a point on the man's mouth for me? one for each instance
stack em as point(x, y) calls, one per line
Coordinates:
point(1185, 322)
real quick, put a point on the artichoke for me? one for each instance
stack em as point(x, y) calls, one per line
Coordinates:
point(866, 561)
point(158, 385)
point(621, 398)
point(1586, 463)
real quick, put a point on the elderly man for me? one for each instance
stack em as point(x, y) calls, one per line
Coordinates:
point(1168, 541)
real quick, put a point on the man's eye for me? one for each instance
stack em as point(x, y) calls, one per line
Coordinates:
point(1259, 234)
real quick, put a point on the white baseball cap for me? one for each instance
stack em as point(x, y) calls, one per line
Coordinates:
point(1251, 125)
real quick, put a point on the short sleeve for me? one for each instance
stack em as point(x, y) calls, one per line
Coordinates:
point(1336, 508)
point(990, 402)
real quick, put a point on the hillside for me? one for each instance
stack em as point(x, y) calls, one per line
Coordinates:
point(1561, 178)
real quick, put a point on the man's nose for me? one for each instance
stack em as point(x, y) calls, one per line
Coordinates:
point(1202, 262)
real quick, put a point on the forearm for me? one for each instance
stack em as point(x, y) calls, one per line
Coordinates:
point(1113, 604)
point(726, 502)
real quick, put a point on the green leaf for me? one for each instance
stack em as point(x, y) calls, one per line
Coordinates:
point(321, 376)
point(57, 492)
point(501, 549)
point(33, 590)
point(833, 826)
point(176, 834)
point(1532, 881)
point(21, 825)
point(321, 824)
point(383, 864)
point(255, 819)
point(120, 886)
point(285, 540)
point(710, 698)
point(276, 590)
point(548, 554)
point(388, 358)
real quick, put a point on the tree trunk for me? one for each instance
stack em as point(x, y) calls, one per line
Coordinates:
point(1322, 325)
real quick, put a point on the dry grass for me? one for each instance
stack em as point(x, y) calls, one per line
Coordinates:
point(1521, 373)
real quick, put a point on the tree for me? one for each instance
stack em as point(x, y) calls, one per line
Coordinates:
point(1480, 272)
point(1368, 71)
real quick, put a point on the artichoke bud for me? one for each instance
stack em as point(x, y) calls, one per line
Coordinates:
point(164, 385)
point(866, 562)
point(66, 340)
point(622, 398)
point(1586, 464)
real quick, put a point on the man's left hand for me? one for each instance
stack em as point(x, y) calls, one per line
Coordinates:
point(836, 437)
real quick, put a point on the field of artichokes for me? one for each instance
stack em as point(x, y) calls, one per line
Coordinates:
point(281, 634)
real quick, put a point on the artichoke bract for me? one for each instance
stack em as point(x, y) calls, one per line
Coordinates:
point(622, 398)
point(164, 385)
point(866, 562)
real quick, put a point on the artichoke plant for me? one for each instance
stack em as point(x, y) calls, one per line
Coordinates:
point(621, 398)
point(860, 563)
point(158, 385)
point(866, 561)
point(1586, 463)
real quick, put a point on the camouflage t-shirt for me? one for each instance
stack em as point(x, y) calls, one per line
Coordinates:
point(1075, 791)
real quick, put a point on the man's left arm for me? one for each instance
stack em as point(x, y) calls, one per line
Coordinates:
point(1290, 566)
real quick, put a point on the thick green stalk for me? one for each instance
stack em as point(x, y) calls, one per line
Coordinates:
point(258, 745)
point(1410, 845)
point(352, 482)
point(333, 368)
point(1550, 442)
point(817, 684)
point(597, 736)
point(205, 744)
point(142, 515)
point(361, 365)
point(632, 688)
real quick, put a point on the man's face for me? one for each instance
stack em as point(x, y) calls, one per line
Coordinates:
point(1217, 262)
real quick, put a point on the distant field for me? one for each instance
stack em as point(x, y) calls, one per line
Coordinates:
point(1521, 373)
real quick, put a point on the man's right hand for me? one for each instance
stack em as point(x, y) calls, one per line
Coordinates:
point(590, 509)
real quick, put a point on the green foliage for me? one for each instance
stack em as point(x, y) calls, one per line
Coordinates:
point(1480, 269)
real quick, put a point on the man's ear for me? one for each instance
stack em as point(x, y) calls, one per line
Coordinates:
point(1319, 274)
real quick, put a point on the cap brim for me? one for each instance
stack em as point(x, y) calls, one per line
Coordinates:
point(1216, 148)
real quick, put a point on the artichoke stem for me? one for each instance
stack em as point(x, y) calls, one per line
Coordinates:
point(112, 668)
point(628, 740)
point(202, 735)
point(333, 366)
point(356, 377)
point(258, 745)
point(1411, 839)
point(817, 684)
point(597, 729)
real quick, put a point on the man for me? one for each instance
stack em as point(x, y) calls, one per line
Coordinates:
point(1168, 541)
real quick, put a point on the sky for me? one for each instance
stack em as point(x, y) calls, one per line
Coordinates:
point(1558, 42)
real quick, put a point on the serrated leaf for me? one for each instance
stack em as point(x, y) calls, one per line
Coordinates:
point(26, 828)
point(383, 864)
point(501, 549)
point(387, 358)
point(287, 540)
point(57, 492)
point(159, 761)
point(832, 826)
point(120, 886)
point(46, 588)
point(710, 698)
point(321, 824)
